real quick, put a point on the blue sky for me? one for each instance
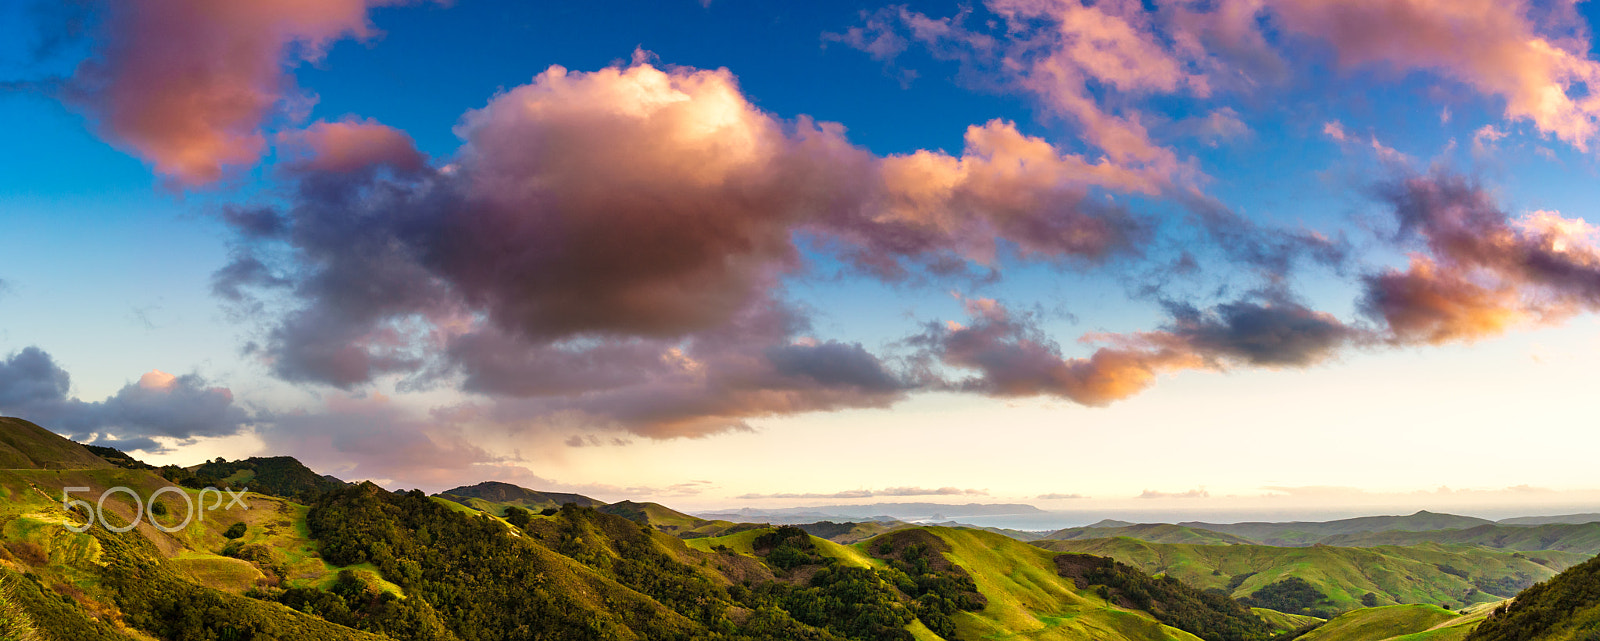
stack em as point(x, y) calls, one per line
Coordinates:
point(396, 242)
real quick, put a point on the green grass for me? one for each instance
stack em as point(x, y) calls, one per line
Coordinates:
point(24, 445)
point(15, 624)
point(1283, 620)
point(1377, 624)
point(1397, 575)
point(1152, 532)
point(1029, 600)
point(217, 572)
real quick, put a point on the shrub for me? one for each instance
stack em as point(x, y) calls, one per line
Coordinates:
point(236, 530)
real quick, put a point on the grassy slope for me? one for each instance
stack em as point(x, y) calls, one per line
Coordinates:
point(24, 445)
point(1580, 539)
point(1283, 620)
point(1419, 622)
point(1029, 600)
point(1395, 574)
point(669, 520)
point(1308, 533)
point(1152, 532)
point(1375, 624)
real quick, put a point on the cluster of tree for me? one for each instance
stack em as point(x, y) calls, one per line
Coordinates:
point(1293, 595)
point(1208, 615)
point(919, 569)
point(281, 476)
point(1565, 601)
point(118, 457)
point(154, 599)
point(356, 603)
point(786, 548)
point(1506, 586)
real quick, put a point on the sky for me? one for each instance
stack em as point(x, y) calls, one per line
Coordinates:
point(1206, 257)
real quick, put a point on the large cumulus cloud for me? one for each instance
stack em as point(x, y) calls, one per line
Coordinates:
point(612, 245)
point(159, 404)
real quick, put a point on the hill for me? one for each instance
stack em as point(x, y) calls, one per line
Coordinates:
point(1577, 538)
point(494, 496)
point(1152, 532)
point(1419, 622)
point(1429, 573)
point(1302, 533)
point(1565, 607)
point(277, 475)
point(1546, 520)
point(25, 446)
point(672, 521)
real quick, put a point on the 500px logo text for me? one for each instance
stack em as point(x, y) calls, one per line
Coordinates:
point(96, 511)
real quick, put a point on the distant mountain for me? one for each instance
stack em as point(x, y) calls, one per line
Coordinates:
point(1548, 520)
point(25, 446)
point(1302, 533)
point(878, 511)
point(1427, 573)
point(1580, 538)
point(1152, 532)
point(498, 495)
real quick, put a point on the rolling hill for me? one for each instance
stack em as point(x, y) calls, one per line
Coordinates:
point(1152, 532)
point(25, 446)
point(1576, 538)
point(494, 496)
point(1565, 608)
point(1302, 533)
point(1428, 573)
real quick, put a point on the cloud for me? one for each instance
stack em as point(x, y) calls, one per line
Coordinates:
point(1482, 271)
point(1012, 357)
point(1191, 494)
point(1534, 60)
point(187, 85)
point(159, 404)
point(1058, 497)
point(867, 494)
point(610, 247)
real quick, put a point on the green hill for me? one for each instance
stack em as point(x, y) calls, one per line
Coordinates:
point(1428, 573)
point(1565, 608)
point(1301, 533)
point(1375, 624)
point(672, 521)
point(1152, 532)
point(1577, 538)
point(25, 446)
point(494, 497)
point(277, 475)
point(1546, 520)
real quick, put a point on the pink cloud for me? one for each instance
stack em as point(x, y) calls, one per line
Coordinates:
point(187, 85)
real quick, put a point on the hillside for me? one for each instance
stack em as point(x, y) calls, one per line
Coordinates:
point(1546, 520)
point(494, 496)
point(1419, 622)
point(1301, 533)
point(1428, 573)
point(25, 446)
point(277, 475)
point(672, 521)
point(1564, 608)
point(1576, 538)
point(1152, 532)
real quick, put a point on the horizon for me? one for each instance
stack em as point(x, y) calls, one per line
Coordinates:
point(1114, 258)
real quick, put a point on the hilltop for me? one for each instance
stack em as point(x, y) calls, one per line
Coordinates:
point(497, 496)
point(25, 446)
point(1300, 533)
